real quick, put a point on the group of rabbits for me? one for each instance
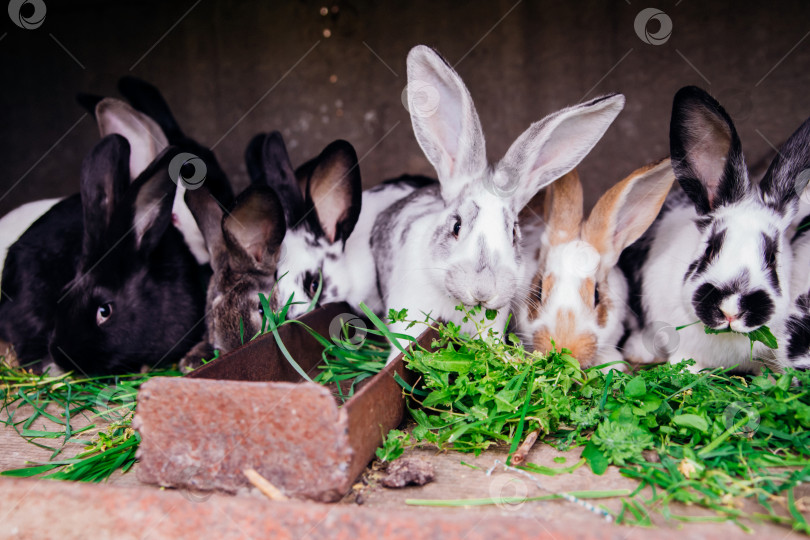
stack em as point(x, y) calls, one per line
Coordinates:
point(114, 278)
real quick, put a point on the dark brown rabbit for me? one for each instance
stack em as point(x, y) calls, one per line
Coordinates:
point(244, 245)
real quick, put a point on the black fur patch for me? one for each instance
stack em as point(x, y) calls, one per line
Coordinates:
point(798, 330)
point(38, 266)
point(706, 301)
point(703, 223)
point(713, 246)
point(771, 250)
point(757, 308)
point(409, 180)
point(631, 263)
point(802, 229)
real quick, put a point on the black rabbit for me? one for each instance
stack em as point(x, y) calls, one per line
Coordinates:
point(102, 283)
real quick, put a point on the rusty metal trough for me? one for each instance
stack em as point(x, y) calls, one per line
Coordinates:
point(250, 409)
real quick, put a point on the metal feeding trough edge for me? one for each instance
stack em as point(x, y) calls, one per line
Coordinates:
point(249, 409)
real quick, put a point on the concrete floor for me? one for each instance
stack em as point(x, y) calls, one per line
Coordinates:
point(454, 480)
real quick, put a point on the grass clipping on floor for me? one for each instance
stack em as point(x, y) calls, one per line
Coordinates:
point(43, 407)
point(709, 439)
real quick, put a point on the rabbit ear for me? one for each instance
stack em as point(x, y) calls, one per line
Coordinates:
point(553, 146)
point(278, 173)
point(253, 159)
point(147, 206)
point(254, 230)
point(104, 179)
point(563, 209)
point(88, 102)
point(627, 210)
point(207, 214)
point(335, 191)
point(706, 152)
point(145, 137)
point(148, 99)
point(789, 172)
point(444, 120)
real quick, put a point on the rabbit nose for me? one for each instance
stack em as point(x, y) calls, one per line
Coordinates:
point(730, 308)
point(729, 317)
point(484, 295)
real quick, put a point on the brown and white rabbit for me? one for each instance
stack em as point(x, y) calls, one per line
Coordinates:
point(579, 295)
point(459, 242)
point(719, 252)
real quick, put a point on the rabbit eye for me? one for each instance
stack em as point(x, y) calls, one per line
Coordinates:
point(514, 234)
point(103, 313)
point(311, 283)
point(596, 294)
point(457, 227)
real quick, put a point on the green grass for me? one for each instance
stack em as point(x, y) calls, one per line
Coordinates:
point(720, 440)
point(45, 410)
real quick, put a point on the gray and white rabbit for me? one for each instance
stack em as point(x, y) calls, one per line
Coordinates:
point(459, 242)
point(719, 253)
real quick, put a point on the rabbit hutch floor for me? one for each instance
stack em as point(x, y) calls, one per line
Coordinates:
point(123, 507)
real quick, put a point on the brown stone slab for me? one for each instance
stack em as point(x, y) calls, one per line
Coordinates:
point(64, 510)
point(241, 411)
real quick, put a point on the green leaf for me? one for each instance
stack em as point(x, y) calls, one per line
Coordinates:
point(764, 335)
point(595, 458)
point(692, 421)
point(635, 388)
point(490, 314)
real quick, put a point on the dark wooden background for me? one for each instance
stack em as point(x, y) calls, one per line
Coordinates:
point(232, 69)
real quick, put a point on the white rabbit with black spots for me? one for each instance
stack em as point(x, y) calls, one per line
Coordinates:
point(329, 221)
point(719, 255)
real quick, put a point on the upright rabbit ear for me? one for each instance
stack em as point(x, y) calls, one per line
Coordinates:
point(706, 152)
point(254, 230)
point(88, 102)
point(278, 173)
point(104, 179)
point(148, 99)
point(145, 137)
point(254, 160)
point(335, 190)
point(787, 177)
point(207, 214)
point(444, 121)
point(563, 209)
point(627, 210)
point(553, 146)
point(147, 206)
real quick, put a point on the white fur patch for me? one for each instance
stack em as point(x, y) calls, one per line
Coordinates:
point(16, 222)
